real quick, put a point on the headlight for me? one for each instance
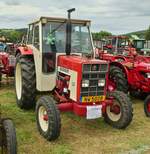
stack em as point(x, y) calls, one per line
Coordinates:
point(85, 83)
point(101, 82)
point(148, 75)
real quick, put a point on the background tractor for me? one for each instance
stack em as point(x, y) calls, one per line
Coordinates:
point(129, 71)
point(8, 142)
point(138, 43)
point(7, 61)
point(58, 58)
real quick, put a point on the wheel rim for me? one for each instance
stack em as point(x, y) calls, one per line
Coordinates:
point(43, 118)
point(18, 81)
point(148, 107)
point(114, 111)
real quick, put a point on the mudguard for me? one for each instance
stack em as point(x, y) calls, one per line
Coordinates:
point(24, 50)
point(125, 70)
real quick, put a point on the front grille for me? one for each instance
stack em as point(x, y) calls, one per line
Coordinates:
point(93, 72)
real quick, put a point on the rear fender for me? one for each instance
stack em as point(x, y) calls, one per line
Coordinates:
point(124, 69)
point(24, 50)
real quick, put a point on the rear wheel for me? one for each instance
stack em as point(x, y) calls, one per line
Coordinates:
point(147, 106)
point(25, 82)
point(48, 118)
point(9, 142)
point(119, 114)
point(118, 78)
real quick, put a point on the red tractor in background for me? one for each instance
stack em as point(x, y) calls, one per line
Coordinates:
point(129, 71)
point(58, 58)
point(7, 61)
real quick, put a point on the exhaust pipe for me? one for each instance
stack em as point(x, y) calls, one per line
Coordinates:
point(68, 32)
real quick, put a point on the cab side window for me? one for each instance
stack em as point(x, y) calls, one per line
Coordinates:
point(30, 34)
point(36, 37)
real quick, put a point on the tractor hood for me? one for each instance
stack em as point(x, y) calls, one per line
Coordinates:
point(141, 58)
point(81, 68)
point(75, 62)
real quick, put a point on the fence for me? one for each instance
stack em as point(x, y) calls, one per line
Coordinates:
point(147, 44)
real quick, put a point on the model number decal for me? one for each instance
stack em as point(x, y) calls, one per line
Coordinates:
point(64, 69)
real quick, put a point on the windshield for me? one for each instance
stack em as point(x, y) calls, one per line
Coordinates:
point(120, 42)
point(54, 38)
point(139, 44)
point(81, 40)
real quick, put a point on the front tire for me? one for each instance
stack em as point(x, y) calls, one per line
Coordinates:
point(118, 77)
point(119, 114)
point(48, 118)
point(9, 142)
point(25, 82)
point(147, 106)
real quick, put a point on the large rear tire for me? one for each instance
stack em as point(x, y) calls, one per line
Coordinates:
point(119, 115)
point(9, 141)
point(25, 82)
point(118, 77)
point(48, 118)
point(147, 106)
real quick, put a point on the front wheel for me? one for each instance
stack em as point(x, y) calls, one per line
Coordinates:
point(119, 114)
point(9, 142)
point(147, 106)
point(48, 118)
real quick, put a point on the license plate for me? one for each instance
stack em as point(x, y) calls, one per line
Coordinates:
point(88, 99)
point(94, 112)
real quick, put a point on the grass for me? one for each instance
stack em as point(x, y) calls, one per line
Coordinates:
point(78, 136)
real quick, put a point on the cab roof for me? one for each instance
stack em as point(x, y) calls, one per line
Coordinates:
point(56, 19)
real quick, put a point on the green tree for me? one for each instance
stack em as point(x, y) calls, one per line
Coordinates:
point(101, 35)
point(13, 35)
point(147, 34)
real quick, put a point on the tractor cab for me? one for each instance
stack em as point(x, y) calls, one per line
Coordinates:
point(137, 42)
point(47, 39)
point(116, 44)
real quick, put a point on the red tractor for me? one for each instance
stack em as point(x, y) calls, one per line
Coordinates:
point(7, 61)
point(8, 141)
point(58, 59)
point(129, 71)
